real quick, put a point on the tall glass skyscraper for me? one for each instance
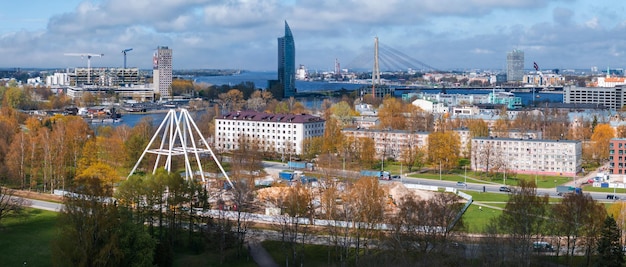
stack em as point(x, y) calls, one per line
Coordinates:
point(287, 63)
point(515, 66)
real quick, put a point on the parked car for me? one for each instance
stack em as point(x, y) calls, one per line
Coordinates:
point(505, 189)
point(542, 247)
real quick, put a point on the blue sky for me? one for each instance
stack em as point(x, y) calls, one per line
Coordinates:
point(241, 34)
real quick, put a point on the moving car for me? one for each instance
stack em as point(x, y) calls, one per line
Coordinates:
point(505, 189)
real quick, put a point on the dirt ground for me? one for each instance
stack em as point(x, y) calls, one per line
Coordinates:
point(38, 196)
point(395, 190)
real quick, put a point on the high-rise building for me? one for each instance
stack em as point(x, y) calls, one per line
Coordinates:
point(287, 63)
point(515, 66)
point(162, 71)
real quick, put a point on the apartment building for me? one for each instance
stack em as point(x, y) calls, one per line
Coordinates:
point(390, 143)
point(527, 156)
point(617, 156)
point(281, 133)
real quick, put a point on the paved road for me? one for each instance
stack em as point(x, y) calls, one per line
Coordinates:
point(495, 188)
point(45, 205)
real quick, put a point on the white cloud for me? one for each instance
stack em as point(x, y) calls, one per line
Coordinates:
point(242, 33)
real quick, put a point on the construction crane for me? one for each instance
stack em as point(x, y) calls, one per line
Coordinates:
point(124, 52)
point(88, 56)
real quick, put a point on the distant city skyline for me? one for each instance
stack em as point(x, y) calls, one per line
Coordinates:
point(449, 34)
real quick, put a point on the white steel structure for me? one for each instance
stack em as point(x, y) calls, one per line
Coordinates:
point(179, 134)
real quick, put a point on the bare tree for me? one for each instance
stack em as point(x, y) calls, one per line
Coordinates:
point(522, 219)
point(10, 205)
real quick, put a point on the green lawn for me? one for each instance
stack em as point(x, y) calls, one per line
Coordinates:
point(604, 190)
point(212, 258)
point(457, 176)
point(314, 255)
point(27, 239)
point(476, 219)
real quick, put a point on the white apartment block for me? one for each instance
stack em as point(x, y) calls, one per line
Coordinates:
point(430, 106)
point(611, 98)
point(531, 156)
point(390, 143)
point(280, 133)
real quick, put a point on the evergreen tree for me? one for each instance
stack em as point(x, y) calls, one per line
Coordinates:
point(609, 250)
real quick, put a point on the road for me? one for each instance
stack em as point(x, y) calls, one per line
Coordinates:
point(45, 205)
point(495, 188)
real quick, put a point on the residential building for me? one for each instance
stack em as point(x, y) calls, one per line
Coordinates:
point(611, 97)
point(287, 63)
point(515, 66)
point(617, 156)
point(430, 106)
point(281, 133)
point(366, 122)
point(544, 79)
point(527, 156)
point(390, 143)
point(162, 71)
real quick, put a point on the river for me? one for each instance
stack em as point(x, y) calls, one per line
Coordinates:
point(260, 80)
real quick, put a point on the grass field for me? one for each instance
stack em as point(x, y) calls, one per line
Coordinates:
point(314, 255)
point(476, 219)
point(213, 259)
point(541, 181)
point(25, 241)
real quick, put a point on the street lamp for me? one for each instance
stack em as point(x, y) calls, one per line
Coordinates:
point(465, 167)
point(439, 169)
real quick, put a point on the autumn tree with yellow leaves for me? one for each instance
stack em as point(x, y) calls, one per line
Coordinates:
point(444, 148)
point(602, 135)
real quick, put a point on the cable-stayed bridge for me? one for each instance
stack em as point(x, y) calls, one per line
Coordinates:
point(389, 59)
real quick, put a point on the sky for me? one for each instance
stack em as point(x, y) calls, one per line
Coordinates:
point(242, 34)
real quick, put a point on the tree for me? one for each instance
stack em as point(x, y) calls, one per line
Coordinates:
point(101, 172)
point(93, 231)
point(609, 247)
point(523, 218)
point(391, 114)
point(621, 131)
point(343, 112)
point(419, 120)
point(333, 138)
point(600, 140)
point(578, 216)
point(367, 201)
point(232, 100)
point(10, 205)
point(444, 149)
